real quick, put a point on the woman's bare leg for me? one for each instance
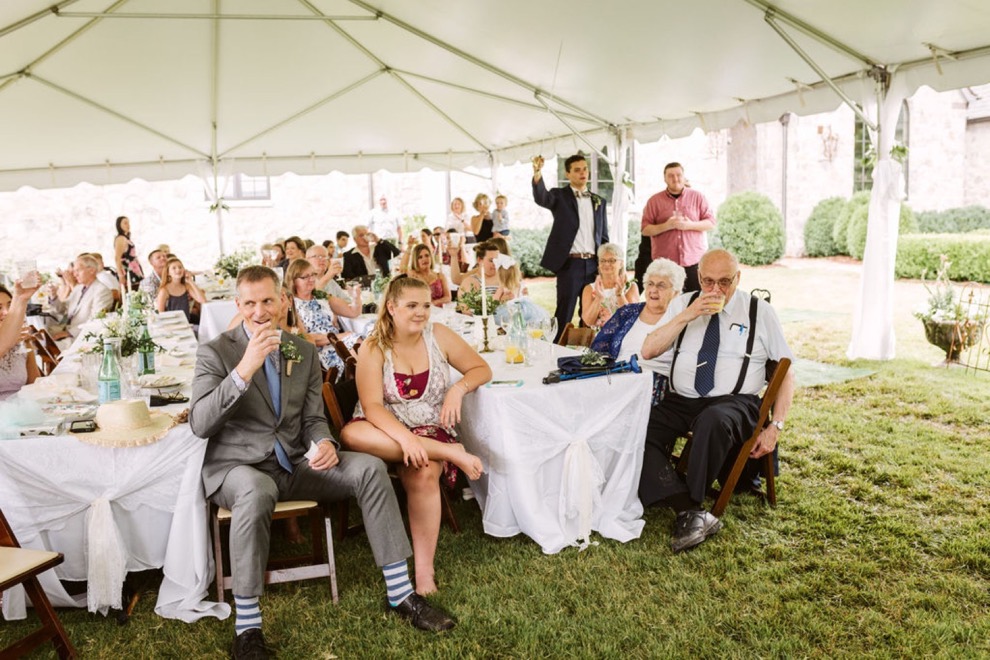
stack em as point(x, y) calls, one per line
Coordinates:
point(366, 437)
point(423, 501)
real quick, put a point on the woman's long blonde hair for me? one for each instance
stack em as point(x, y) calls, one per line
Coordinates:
point(384, 330)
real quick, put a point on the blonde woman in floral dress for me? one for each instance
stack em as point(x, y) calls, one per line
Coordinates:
point(408, 409)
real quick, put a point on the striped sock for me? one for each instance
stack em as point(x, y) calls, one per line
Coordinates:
point(247, 613)
point(397, 584)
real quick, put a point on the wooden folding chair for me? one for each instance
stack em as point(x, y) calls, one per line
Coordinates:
point(723, 494)
point(318, 564)
point(574, 336)
point(50, 345)
point(46, 363)
point(22, 566)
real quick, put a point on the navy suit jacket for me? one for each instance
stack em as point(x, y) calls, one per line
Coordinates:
point(562, 203)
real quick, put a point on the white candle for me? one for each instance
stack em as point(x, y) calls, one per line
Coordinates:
point(484, 295)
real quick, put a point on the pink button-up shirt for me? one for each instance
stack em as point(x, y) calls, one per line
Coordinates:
point(680, 246)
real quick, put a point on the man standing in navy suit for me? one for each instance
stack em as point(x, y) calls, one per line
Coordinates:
point(579, 229)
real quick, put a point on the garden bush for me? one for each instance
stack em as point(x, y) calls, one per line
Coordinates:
point(969, 254)
point(840, 230)
point(527, 247)
point(818, 228)
point(751, 227)
point(951, 221)
point(856, 232)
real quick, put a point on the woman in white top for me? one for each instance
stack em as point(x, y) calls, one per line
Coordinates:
point(458, 220)
point(611, 289)
point(624, 333)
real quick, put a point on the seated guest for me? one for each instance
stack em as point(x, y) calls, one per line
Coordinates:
point(178, 290)
point(422, 269)
point(485, 253)
point(17, 365)
point(107, 276)
point(623, 334)
point(610, 290)
point(365, 261)
point(714, 392)
point(408, 409)
point(86, 298)
point(295, 248)
point(255, 456)
point(153, 280)
point(341, 243)
point(288, 320)
point(326, 271)
point(316, 315)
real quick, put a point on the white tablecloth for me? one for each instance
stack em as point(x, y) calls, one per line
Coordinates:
point(145, 504)
point(560, 460)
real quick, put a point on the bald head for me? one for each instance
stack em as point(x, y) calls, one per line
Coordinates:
point(720, 257)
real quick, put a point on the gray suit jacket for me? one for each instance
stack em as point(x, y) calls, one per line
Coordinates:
point(241, 428)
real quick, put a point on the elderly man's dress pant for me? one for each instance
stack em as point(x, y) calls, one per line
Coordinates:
point(720, 425)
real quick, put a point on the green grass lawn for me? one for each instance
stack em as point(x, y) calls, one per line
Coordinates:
point(879, 547)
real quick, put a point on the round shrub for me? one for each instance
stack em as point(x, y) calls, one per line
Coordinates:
point(840, 230)
point(527, 247)
point(751, 227)
point(818, 228)
point(856, 236)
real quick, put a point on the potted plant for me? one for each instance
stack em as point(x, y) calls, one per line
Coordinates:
point(952, 322)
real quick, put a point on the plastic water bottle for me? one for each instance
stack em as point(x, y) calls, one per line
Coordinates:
point(109, 376)
point(146, 353)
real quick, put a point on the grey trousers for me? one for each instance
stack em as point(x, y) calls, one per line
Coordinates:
point(251, 491)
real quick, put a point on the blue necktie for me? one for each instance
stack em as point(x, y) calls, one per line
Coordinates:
point(704, 375)
point(275, 390)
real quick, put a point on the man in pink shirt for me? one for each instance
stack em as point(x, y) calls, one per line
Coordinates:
point(675, 221)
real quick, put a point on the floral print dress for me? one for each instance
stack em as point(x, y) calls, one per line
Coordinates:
point(316, 316)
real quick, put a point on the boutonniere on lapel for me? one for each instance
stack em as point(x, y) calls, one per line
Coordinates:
point(291, 354)
point(596, 201)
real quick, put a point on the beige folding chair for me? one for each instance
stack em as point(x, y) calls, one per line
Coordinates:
point(22, 566)
point(574, 336)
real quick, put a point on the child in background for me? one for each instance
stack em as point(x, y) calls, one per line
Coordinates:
point(500, 217)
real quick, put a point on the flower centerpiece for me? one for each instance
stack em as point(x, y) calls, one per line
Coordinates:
point(231, 264)
point(952, 322)
point(471, 302)
point(127, 329)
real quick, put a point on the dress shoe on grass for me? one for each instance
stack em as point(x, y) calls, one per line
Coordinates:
point(422, 615)
point(692, 528)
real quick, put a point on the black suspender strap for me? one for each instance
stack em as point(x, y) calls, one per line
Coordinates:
point(749, 344)
point(677, 346)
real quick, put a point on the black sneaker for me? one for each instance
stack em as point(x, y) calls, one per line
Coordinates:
point(250, 645)
point(418, 611)
point(691, 528)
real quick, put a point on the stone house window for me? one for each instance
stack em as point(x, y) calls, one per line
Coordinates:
point(862, 179)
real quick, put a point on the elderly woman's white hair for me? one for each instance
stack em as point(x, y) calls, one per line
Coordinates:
point(605, 248)
point(666, 268)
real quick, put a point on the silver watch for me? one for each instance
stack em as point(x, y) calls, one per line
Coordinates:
point(779, 424)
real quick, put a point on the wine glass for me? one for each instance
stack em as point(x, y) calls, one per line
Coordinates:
point(550, 333)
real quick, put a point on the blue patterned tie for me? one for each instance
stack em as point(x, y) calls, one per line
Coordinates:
point(275, 389)
point(704, 375)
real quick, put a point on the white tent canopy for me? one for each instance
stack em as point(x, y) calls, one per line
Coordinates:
point(104, 91)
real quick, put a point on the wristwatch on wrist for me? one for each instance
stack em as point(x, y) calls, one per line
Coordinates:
point(778, 423)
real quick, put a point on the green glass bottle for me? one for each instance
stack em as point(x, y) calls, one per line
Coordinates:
point(109, 376)
point(146, 352)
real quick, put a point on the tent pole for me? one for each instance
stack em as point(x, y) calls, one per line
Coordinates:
point(214, 103)
point(771, 12)
point(574, 131)
point(821, 72)
point(38, 15)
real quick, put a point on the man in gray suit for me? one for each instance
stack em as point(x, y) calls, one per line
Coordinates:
point(261, 416)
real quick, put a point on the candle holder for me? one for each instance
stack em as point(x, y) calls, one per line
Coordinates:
point(484, 329)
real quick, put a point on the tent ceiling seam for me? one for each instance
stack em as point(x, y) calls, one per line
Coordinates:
point(476, 61)
point(306, 110)
point(450, 120)
point(114, 113)
point(38, 15)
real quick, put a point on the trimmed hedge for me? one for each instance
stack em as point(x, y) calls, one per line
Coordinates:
point(818, 228)
point(856, 232)
point(751, 227)
point(954, 221)
point(527, 247)
point(840, 230)
point(969, 254)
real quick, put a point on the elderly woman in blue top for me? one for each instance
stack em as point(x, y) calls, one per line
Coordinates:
point(623, 334)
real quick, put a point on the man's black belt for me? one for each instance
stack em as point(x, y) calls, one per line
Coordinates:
point(582, 255)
